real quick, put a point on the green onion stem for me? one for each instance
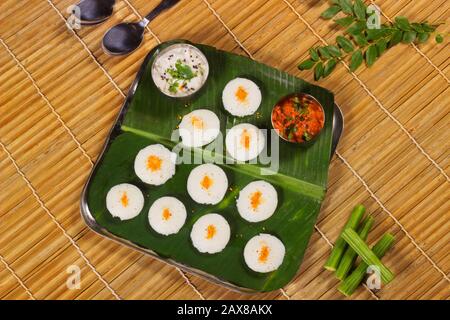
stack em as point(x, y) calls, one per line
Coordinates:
point(349, 285)
point(350, 255)
point(340, 245)
point(367, 255)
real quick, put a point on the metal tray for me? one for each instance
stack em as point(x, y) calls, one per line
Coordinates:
point(337, 128)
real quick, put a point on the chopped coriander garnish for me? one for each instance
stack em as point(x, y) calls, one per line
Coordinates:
point(301, 107)
point(174, 87)
point(290, 131)
point(296, 102)
point(181, 71)
point(303, 111)
point(307, 136)
point(290, 136)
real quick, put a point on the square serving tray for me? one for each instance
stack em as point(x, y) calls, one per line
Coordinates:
point(147, 117)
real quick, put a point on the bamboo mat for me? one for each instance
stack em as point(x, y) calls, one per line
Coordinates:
point(59, 95)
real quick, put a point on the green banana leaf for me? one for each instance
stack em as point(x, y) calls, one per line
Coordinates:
point(149, 117)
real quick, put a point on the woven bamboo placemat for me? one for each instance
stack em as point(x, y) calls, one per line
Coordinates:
point(59, 95)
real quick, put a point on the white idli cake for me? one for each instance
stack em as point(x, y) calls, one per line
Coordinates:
point(199, 127)
point(264, 253)
point(124, 201)
point(241, 97)
point(244, 142)
point(155, 164)
point(257, 201)
point(167, 215)
point(207, 184)
point(210, 233)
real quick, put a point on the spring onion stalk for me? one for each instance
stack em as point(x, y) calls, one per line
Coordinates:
point(340, 245)
point(349, 285)
point(367, 255)
point(350, 255)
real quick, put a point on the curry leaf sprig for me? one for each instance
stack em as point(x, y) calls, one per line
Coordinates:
point(360, 41)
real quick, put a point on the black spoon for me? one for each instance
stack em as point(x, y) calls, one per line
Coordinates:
point(338, 127)
point(95, 11)
point(124, 38)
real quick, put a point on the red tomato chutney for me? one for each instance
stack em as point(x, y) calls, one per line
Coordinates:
point(298, 118)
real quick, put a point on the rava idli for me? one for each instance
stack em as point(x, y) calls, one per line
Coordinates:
point(155, 164)
point(210, 233)
point(244, 142)
point(207, 184)
point(257, 201)
point(199, 127)
point(167, 215)
point(241, 97)
point(264, 253)
point(124, 201)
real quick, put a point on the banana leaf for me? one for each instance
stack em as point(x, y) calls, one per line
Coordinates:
point(149, 117)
